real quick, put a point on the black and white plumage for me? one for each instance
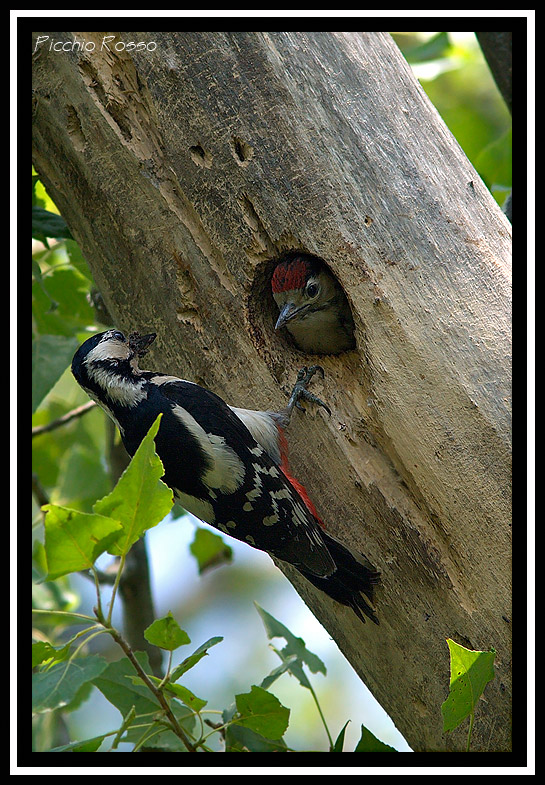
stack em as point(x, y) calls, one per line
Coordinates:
point(225, 465)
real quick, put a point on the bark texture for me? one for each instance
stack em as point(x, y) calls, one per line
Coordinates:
point(183, 172)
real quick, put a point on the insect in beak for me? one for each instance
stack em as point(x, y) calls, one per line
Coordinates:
point(139, 344)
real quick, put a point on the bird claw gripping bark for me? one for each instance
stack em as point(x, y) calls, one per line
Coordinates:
point(300, 391)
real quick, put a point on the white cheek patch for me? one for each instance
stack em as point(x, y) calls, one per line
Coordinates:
point(226, 472)
point(118, 389)
point(110, 349)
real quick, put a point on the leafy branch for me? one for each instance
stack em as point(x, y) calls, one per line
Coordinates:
point(158, 713)
point(256, 721)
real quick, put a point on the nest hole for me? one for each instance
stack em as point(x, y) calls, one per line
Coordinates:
point(263, 310)
point(200, 156)
point(243, 152)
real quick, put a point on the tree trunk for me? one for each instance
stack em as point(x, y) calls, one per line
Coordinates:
point(183, 170)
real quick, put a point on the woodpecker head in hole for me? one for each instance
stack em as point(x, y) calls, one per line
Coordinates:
point(313, 306)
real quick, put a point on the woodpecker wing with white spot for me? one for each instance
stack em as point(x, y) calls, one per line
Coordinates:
point(248, 495)
point(222, 464)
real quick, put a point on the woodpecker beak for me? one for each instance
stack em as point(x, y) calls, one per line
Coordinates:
point(139, 344)
point(288, 312)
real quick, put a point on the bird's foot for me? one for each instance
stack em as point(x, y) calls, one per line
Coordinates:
point(300, 392)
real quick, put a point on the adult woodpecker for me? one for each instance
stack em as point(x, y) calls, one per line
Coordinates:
point(312, 305)
point(227, 466)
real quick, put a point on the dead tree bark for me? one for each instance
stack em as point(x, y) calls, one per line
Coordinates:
point(183, 170)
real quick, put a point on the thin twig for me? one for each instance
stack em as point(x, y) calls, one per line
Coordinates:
point(77, 412)
point(173, 722)
point(39, 491)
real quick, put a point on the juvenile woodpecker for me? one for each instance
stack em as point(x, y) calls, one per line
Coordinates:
point(312, 305)
point(227, 466)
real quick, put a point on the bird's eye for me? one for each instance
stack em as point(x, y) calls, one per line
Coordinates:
point(312, 289)
point(118, 336)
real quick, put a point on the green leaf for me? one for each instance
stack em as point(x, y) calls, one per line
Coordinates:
point(193, 659)
point(210, 550)
point(59, 685)
point(60, 292)
point(166, 633)
point(186, 696)
point(339, 744)
point(262, 712)
point(74, 540)
point(40, 195)
point(275, 629)
point(370, 743)
point(470, 672)
point(494, 162)
point(239, 739)
point(46, 224)
point(287, 665)
point(117, 685)
point(77, 259)
point(88, 745)
point(438, 46)
point(179, 691)
point(140, 499)
point(295, 646)
point(36, 200)
point(43, 651)
point(82, 477)
point(121, 686)
point(51, 356)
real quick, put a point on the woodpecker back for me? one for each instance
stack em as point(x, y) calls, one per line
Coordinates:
point(216, 467)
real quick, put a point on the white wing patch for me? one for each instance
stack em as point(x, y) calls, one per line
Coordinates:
point(227, 470)
point(200, 508)
point(263, 428)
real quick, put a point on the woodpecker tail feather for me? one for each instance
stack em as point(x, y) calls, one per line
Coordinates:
point(354, 576)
